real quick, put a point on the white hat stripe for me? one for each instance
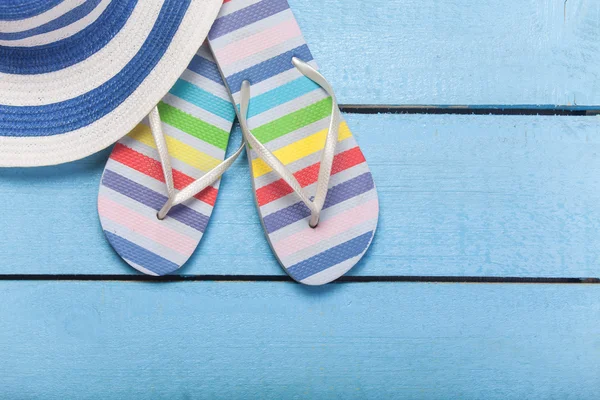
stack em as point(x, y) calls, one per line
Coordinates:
point(82, 21)
point(40, 19)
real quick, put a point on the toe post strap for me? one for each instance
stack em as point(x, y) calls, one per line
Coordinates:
point(315, 205)
point(177, 197)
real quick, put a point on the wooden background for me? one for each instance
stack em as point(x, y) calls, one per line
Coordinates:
point(482, 281)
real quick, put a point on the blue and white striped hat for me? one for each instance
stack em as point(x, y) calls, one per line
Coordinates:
point(77, 75)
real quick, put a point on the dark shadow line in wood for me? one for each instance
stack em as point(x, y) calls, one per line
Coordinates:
point(575, 111)
point(282, 278)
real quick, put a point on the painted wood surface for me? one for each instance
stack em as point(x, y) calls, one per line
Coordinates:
point(279, 340)
point(456, 51)
point(493, 196)
point(460, 196)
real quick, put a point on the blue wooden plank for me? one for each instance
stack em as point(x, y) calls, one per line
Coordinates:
point(456, 51)
point(277, 340)
point(460, 196)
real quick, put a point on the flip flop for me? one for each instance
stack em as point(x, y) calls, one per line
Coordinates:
point(315, 194)
point(154, 215)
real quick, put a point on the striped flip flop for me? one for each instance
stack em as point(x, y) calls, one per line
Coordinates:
point(299, 141)
point(197, 117)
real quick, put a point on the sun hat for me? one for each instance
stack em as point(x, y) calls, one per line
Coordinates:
point(77, 75)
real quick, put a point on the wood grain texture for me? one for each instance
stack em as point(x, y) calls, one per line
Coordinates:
point(460, 196)
point(280, 340)
point(456, 51)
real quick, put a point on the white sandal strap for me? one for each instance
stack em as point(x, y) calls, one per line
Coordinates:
point(175, 197)
point(316, 204)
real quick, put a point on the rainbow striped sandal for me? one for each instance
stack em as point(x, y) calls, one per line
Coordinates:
point(160, 184)
point(315, 194)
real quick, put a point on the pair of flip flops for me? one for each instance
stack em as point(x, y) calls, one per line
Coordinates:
point(313, 188)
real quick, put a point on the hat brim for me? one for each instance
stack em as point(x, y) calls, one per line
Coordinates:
point(53, 112)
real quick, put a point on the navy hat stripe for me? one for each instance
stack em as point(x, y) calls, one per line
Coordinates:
point(14, 10)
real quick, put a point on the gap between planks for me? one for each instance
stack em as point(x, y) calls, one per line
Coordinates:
point(487, 109)
point(286, 279)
